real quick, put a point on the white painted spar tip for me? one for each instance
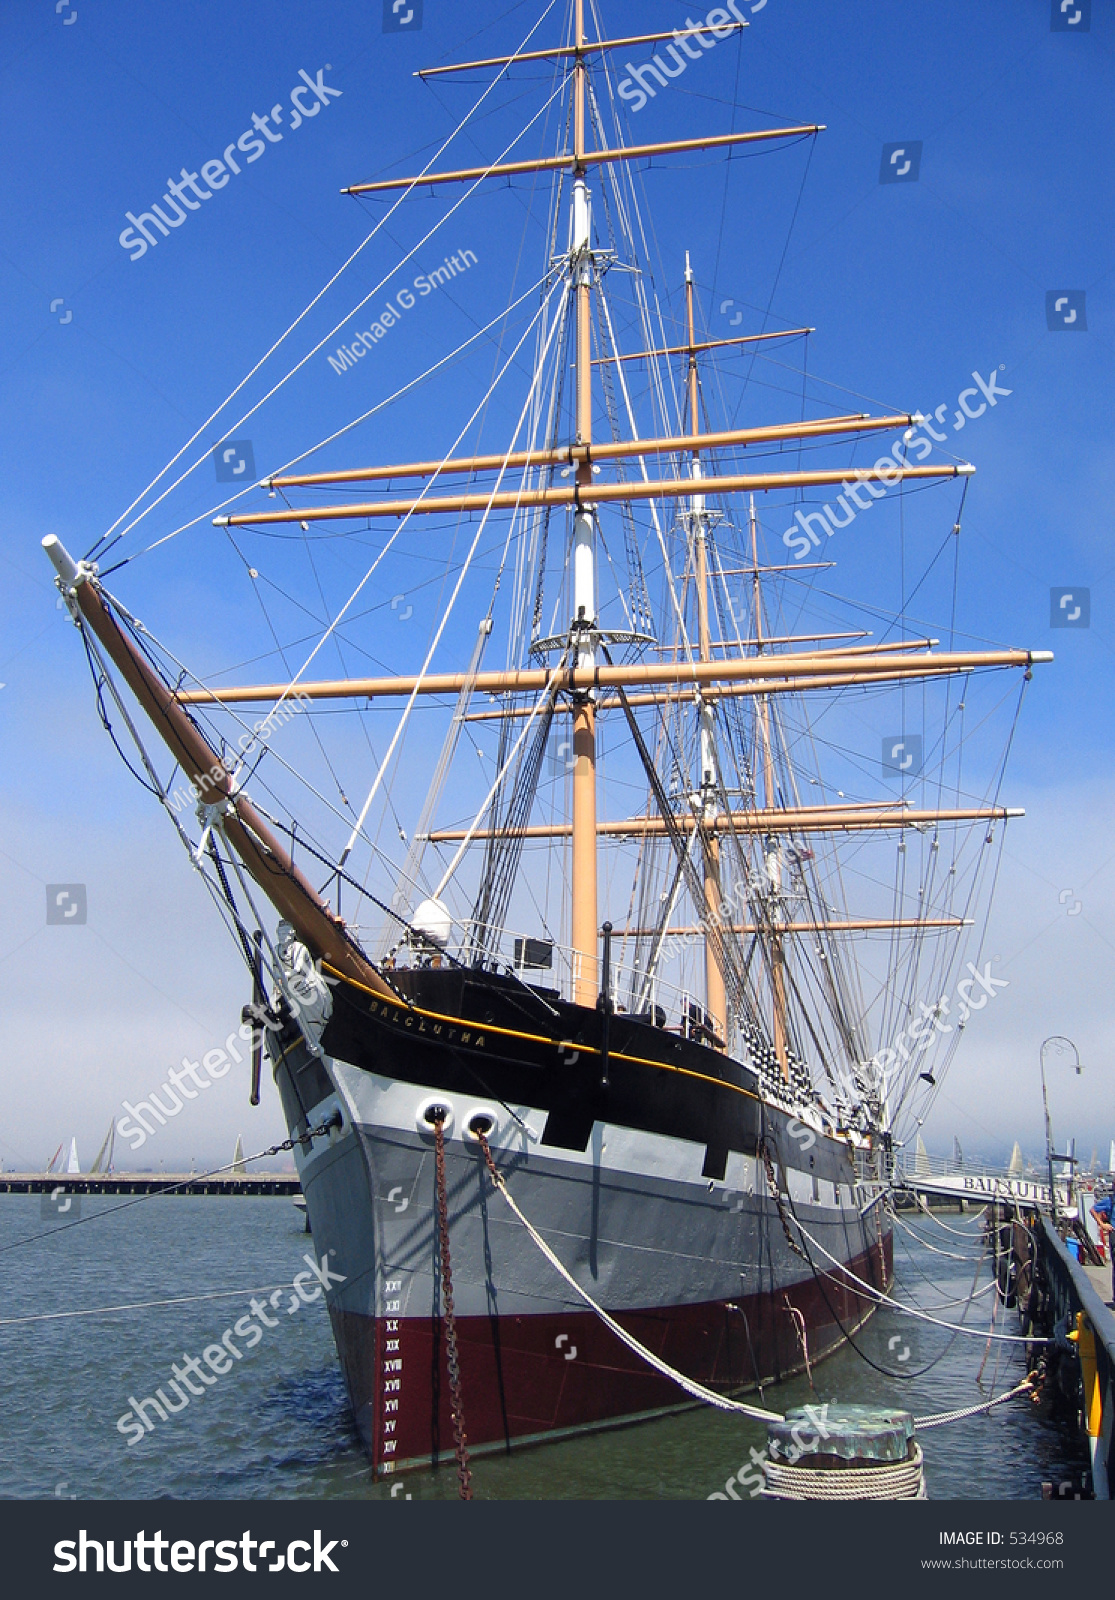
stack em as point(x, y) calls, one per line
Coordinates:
point(965, 469)
point(1016, 811)
point(1038, 658)
point(60, 558)
point(220, 522)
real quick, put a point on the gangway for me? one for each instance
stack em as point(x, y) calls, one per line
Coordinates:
point(948, 1178)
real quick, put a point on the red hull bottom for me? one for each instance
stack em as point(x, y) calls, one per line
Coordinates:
point(525, 1378)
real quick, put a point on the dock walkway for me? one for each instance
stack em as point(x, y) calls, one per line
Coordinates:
point(1080, 1295)
point(93, 1183)
point(1100, 1279)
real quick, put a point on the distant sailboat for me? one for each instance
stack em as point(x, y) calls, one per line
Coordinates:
point(1016, 1158)
point(103, 1159)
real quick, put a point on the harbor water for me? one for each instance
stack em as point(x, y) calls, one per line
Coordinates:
point(276, 1424)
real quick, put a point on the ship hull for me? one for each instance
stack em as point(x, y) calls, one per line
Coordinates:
point(699, 1268)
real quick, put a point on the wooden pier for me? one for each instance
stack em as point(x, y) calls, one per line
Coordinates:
point(1062, 1303)
point(95, 1183)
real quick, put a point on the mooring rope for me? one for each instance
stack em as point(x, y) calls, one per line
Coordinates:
point(953, 1255)
point(938, 1421)
point(334, 1121)
point(690, 1385)
point(142, 1305)
point(896, 1305)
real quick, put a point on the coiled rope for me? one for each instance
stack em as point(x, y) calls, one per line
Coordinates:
point(894, 1480)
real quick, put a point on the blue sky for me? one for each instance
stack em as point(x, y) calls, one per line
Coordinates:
point(912, 287)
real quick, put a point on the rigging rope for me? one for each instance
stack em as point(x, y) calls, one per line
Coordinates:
point(405, 717)
point(339, 433)
point(323, 291)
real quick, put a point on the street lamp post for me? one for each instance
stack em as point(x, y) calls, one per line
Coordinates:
point(1062, 1043)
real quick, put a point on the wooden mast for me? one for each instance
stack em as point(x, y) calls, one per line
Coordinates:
point(558, 52)
point(584, 914)
point(715, 993)
point(704, 344)
point(773, 850)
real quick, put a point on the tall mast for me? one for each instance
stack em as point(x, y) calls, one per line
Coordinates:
point(772, 849)
point(584, 918)
point(715, 997)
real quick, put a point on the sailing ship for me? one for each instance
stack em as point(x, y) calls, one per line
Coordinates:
point(685, 1083)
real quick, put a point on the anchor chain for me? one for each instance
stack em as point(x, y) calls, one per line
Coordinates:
point(776, 1196)
point(452, 1358)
